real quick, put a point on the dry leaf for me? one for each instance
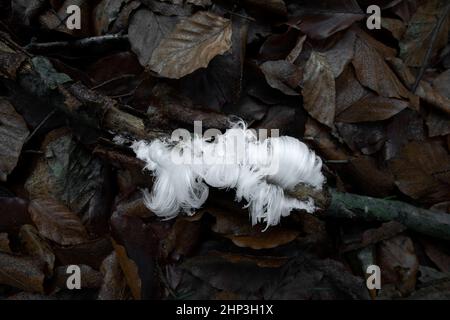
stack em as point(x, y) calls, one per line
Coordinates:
point(282, 75)
point(37, 247)
point(418, 36)
point(114, 286)
point(21, 272)
point(236, 227)
point(319, 92)
point(192, 45)
point(373, 72)
point(321, 19)
point(399, 263)
point(422, 171)
point(146, 30)
point(130, 271)
point(13, 132)
point(57, 223)
point(372, 108)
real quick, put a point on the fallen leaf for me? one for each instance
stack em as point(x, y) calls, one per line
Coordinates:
point(67, 172)
point(114, 285)
point(373, 72)
point(105, 13)
point(309, 278)
point(321, 20)
point(399, 263)
point(422, 171)
point(130, 270)
point(364, 137)
point(146, 30)
point(37, 247)
point(237, 228)
point(372, 108)
point(13, 133)
point(192, 45)
point(348, 89)
point(182, 239)
point(341, 53)
point(21, 272)
point(319, 93)
point(418, 36)
point(225, 275)
point(282, 75)
point(396, 27)
point(57, 223)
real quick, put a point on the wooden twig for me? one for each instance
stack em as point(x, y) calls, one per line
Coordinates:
point(86, 43)
point(352, 206)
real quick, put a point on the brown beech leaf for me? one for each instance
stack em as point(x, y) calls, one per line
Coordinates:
point(236, 227)
point(37, 247)
point(13, 132)
point(396, 27)
point(114, 286)
point(341, 54)
point(364, 137)
point(105, 13)
point(57, 223)
point(348, 89)
point(21, 272)
point(372, 108)
point(282, 75)
point(319, 93)
point(418, 36)
point(422, 171)
point(321, 19)
point(373, 72)
point(399, 263)
point(146, 30)
point(192, 45)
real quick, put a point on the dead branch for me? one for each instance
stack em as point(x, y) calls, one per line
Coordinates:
point(352, 206)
